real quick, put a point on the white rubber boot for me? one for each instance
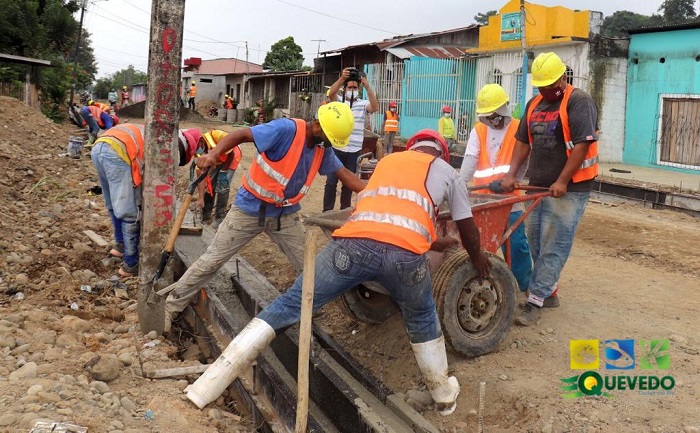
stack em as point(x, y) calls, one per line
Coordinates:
point(432, 362)
point(239, 354)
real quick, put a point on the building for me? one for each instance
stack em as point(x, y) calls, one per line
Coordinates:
point(574, 36)
point(216, 78)
point(663, 98)
point(26, 92)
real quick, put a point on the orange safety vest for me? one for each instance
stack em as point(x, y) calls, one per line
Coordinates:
point(485, 171)
point(193, 91)
point(104, 107)
point(395, 207)
point(267, 179)
point(130, 138)
point(96, 114)
point(589, 168)
point(392, 122)
point(228, 104)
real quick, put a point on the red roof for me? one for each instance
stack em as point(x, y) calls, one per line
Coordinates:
point(225, 67)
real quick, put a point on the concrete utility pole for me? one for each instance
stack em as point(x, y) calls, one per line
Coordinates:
point(523, 42)
point(77, 50)
point(161, 153)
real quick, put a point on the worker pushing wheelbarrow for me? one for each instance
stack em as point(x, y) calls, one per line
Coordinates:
point(475, 313)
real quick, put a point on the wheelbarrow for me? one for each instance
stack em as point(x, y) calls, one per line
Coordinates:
point(476, 314)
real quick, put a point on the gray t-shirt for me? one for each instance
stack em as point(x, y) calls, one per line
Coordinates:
point(548, 150)
point(445, 185)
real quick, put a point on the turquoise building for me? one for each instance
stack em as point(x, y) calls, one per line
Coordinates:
point(662, 124)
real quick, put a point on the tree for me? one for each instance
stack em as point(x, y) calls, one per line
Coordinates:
point(483, 18)
point(284, 55)
point(123, 77)
point(677, 11)
point(616, 24)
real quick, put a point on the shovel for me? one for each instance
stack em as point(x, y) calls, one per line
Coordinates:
point(151, 314)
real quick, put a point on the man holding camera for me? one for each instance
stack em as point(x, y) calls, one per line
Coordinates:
point(350, 80)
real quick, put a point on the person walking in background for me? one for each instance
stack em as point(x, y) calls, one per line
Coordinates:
point(559, 134)
point(191, 94)
point(390, 127)
point(112, 97)
point(487, 159)
point(125, 96)
point(446, 126)
point(352, 81)
point(228, 103)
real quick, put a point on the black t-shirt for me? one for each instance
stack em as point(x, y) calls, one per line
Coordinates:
point(548, 150)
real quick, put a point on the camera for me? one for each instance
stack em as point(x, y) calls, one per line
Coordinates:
point(355, 75)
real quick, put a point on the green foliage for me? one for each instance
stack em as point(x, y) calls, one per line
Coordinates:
point(483, 18)
point(677, 11)
point(123, 77)
point(615, 25)
point(46, 29)
point(284, 55)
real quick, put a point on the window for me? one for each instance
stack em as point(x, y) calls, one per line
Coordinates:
point(498, 76)
point(517, 84)
point(569, 75)
point(205, 80)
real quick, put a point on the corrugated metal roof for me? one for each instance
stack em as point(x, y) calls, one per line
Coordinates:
point(402, 39)
point(226, 66)
point(665, 28)
point(24, 60)
point(432, 51)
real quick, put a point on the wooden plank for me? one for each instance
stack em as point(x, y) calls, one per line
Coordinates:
point(190, 231)
point(97, 239)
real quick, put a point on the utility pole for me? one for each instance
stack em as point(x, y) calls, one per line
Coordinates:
point(77, 50)
point(246, 93)
point(161, 153)
point(523, 42)
point(318, 50)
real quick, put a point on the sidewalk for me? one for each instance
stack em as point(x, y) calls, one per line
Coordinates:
point(651, 177)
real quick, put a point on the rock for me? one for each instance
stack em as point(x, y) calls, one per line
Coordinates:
point(422, 397)
point(152, 335)
point(690, 429)
point(503, 377)
point(181, 384)
point(103, 337)
point(34, 389)
point(99, 386)
point(214, 413)
point(106, 369)
point(682, 341)
point(75, 324)
point(81, 247)
point(472, 412)
point(67, 340)
point(21, 349)
point(21, 279)
point(16, 318)
point(48, 397)
point(65, 411)
point(125, 358)
point(27, 371)
point(45, 336)
point(128, 404)
point(121, 329)
point(8, 341)
point(8, 419)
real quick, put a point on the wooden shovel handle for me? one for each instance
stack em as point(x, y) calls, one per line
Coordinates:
point(170, 244)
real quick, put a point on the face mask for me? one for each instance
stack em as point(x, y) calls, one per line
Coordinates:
point(350, 94)
point(494, 122)
point(447, 115)
point(392, 109)
point(551, 95)
point(318, 141)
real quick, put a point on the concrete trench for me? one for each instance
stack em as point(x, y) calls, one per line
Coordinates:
point(344, 397)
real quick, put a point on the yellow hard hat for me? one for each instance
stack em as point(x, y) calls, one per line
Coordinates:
point(124, 87)
point(226, 96)
point(328, 92)
point(213, 137)
point(490, 98)
point(337, 122)
point(546, 69)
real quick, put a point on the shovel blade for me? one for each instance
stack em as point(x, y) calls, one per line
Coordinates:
point(150, 309)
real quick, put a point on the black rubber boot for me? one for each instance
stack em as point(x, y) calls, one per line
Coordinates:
point(207, 208)
point(221, 205)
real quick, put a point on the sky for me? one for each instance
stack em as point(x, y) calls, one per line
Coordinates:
point(220, 28)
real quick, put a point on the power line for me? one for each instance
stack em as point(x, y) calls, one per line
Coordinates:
point(337, 18)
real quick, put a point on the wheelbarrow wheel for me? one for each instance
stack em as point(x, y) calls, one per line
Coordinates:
point(366, 305)
point(475, 314)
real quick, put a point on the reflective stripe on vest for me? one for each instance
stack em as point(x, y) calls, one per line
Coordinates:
point(486, 172)
point(268, 179)
point(96, 114)
point(589, 167)
point(128, 139)
point(395, 207)
point(392, 122)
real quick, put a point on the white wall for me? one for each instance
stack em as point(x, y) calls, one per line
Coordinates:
point(611, 115)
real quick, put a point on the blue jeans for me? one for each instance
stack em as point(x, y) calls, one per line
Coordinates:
point(93, 127)
point(344, 263)
point(349, 160)
point(551, 227)
point(521, 261)
point(122, 200)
